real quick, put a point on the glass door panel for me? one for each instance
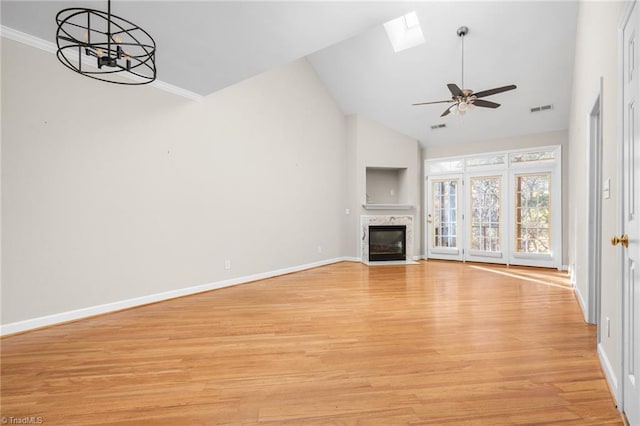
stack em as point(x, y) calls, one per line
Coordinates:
point(536, 220)
point(485, 219)
point(443, 218)
point(532, 213)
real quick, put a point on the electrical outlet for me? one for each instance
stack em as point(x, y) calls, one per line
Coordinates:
point(319, 249)
point(347, 211)
point(608, 327)
point(227, 264)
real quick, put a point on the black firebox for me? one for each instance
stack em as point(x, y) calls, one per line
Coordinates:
point(387, 243)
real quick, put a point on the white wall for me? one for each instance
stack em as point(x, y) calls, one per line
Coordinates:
point(596, 56)
point(527, 141)
point(112, 192)
point(517, 142)
point(370, 144)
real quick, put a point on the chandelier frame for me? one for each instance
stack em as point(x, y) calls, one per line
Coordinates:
point(119, 46)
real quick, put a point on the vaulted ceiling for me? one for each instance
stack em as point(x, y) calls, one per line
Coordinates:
point(204, 46)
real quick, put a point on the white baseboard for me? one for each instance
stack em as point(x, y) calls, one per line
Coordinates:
point(581, 303)
point(48, 320)
point(609, 374)
point(572, 276)
point(563, 268)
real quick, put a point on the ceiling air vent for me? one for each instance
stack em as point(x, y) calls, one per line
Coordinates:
point(438, 126)
point(542, 108)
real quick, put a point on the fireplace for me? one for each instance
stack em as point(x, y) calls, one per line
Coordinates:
point(387, 243)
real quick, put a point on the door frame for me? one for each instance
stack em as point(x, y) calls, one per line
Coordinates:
point(445, 253)
point(554, 259)
point(470, 255)
point(594, 214)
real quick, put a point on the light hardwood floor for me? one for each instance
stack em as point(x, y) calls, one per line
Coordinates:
point(433, 343)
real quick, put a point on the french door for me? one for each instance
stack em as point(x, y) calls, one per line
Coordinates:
point(498, 208)
point(485, 218)
point(444, 217)
point(535, 209)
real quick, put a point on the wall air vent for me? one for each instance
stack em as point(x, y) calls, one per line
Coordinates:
point(542, 108)
point(438, 126)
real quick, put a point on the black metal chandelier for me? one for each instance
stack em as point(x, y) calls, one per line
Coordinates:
point(120, 47)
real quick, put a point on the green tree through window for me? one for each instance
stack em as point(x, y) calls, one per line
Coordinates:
point(445, 218)
point(485, 213)
point(533, 220)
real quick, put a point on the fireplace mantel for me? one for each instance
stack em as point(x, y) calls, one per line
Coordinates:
point(376, 206)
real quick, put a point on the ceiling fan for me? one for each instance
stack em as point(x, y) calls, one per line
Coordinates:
point(465, 99)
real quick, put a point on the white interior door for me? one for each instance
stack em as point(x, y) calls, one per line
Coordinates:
point(629, 240)
point(444, 217)
point(485, 218)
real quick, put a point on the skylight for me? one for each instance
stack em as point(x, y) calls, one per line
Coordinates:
point(404, 32)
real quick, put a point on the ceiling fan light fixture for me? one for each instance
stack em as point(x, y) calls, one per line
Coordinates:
point(466, 99)
point(114, 46)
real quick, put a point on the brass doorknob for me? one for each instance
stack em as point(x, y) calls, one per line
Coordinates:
point(623, 239)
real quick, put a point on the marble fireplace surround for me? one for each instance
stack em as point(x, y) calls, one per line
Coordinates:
point(385, 220)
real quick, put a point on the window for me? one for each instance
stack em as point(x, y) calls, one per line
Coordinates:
point(404, 32)
point(445, 213)
point(491, 160)
point(447, 166)
point(498, 207)
point(532, 230)
point(485, 213)
point(523, 157)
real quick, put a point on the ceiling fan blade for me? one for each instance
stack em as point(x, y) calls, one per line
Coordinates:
point(494, 91)
point(485, 104)
point(436, 102)
point(455, 90)
point(446, 112)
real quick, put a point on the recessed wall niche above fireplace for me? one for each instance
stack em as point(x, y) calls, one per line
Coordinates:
point(387, 189)
point(387, 231)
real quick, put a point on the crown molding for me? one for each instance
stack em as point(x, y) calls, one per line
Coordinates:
point(161, 85)
point(27, 39)
point(50, 47)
